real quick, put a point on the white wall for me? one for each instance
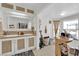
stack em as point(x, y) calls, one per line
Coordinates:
point(46, 15)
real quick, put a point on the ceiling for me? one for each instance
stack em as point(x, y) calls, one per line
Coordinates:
point(37, 7)
point(56, 10)
point(60, 10)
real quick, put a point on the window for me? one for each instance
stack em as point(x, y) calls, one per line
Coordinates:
point(72, 27)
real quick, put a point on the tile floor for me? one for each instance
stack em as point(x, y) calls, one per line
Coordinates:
point(46, 51)
point(27, 53)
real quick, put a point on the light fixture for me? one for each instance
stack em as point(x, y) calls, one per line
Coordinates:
point(63, 13)
point(19, 14)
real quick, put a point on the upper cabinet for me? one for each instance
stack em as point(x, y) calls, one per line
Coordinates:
point(16, 8)
point(6, 5)
point(30, 11)
point(16, 18)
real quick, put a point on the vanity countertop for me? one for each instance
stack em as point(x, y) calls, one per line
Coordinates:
point(14, 36)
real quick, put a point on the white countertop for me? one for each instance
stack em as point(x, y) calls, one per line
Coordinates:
point(11, 36)
point(74, 44)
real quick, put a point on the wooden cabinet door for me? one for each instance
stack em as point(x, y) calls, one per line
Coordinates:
point(31, 43)
point(20, 45)
point(7, 47)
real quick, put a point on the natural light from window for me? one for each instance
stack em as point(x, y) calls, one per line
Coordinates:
point(71, 26)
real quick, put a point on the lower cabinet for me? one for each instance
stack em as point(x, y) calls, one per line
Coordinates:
point(7, 47)
point(31, 43)
point(11, 46)
point(20, 45)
